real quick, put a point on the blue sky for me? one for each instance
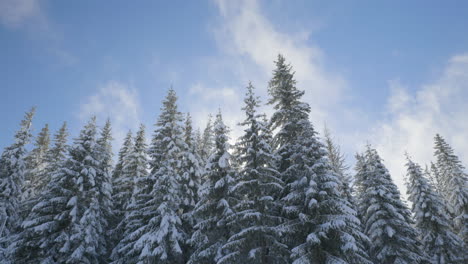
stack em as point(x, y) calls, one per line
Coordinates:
point(391, 73)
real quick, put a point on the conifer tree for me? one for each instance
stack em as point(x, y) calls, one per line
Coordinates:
point(214, 208)
point(89, 205)
point(435, 178)
point(206, 143)
point(31, 245)
point(291, 114)
point(338, 165)
point(289, 121)
point(257, 187)
point(431, 219)
point(36, 165)
point(360, 180)
point(12, 174)
point(65, 226)
point(57, 153)
point(323, 226)
point(122, 188)
point(453, 185)
point(161, 238)
point(387, 220)
point(103, 209)
point(135, 173)
point(312, 206)
point(122, 180)
point(191, 177)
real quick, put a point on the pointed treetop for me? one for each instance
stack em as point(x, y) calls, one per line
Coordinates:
point(43, 139)
point(24, 133)
point(57, 152)
point(188, 129)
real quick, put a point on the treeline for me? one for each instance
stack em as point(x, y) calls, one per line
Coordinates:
point(281, 194)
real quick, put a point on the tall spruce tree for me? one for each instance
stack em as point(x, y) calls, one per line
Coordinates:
point(33, 241)
point(135, 173)
point(12, 174)
point(256, 214)
point(57, 153)
point(289, 121)
point(339, 166)
point(337, 158)
point(161, 237)
point(431, 219)
point(387, 220)
point(435, 178)
point(290, 116)
point(89, 203)
point(122, 182)
point(191, 177)
point(65, 226)
point(311, 205)
point(36, 165)
point(103, 209)
point(453, 183)
point(214, 208)
point(323, 226)
point(206, 143)
point(122, 188)
point(37, 174)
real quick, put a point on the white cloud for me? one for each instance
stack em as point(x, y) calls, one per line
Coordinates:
point(247, 33)
point(414, 119)
point(17, 13)
point(29, 16)
point(210, 100)
point(118, 102)
point(249, 44)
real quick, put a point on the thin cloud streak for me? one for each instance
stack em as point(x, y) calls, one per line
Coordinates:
point(118, 102)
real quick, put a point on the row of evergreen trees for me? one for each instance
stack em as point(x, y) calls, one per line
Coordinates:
point(279, 195)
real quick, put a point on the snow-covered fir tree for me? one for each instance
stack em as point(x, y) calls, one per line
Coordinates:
point(66, 224)
point(206, 142)
point(57, 153)
point(431, 219)
point(323, 226)
point(336, 157)
point(36, 164)
point(89, 205)
point(103, 209)
point(387, 220)
point(122, 189)
point(434, 177)
point(191, 177)
point(122, 183)
point(338, 165)
point(288, 121)
point(161, 238)
point(12, 174)
point(360, 180)
point(256, 217)
point(135, 173)
point(214, 208)
point(290, 113)
point(33, 241)
point(37, 175)
point(453, 183)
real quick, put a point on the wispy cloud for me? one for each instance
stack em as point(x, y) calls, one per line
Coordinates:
point(116, 101)
point(249, 44)
point(29, 16)
point(19, 13)
point(414, 119)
